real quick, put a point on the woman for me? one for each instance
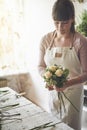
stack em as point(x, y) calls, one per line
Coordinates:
point(68, 48)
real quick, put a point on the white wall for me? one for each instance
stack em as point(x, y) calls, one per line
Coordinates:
point(38, 22)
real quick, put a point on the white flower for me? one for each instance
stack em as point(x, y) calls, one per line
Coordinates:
point(53, 68)
point(48, 74)
point(59, 72)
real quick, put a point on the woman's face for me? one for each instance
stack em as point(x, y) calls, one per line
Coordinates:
point(63, 27)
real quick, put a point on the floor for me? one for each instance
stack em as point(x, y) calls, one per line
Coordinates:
point(84, 118)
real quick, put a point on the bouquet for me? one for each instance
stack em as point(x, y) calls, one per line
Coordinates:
point(57, 76)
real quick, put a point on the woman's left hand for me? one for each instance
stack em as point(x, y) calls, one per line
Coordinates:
point(59, 89)
point(67, 84)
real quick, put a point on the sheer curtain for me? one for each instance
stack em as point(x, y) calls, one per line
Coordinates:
point(11, 36)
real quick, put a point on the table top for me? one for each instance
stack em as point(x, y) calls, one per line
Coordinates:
point(18, 113)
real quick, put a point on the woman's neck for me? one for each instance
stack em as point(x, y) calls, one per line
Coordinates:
point(64, 36)
point(64, 40)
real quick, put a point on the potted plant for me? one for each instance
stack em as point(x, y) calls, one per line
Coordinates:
point(82, 27)
point(81, 1)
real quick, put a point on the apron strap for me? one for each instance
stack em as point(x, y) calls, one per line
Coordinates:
point(73, 39)
point(51, 43)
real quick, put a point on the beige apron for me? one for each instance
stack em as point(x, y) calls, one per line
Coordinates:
point(68, 60)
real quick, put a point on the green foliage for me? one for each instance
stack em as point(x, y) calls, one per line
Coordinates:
point(80, 1)
point(56, 75)
point(82, 27)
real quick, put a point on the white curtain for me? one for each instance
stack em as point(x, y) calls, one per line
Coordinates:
point(11, 36)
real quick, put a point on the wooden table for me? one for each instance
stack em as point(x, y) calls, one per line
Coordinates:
point(18, 113)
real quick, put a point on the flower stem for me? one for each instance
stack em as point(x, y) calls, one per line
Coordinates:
point(59, 96)
point(63, 103)
point(70, 101)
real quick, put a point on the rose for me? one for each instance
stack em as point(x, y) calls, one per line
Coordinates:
point(59, 72)
point(52, 68)
point(48, 75)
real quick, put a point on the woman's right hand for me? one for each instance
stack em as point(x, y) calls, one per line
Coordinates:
point(50, 88)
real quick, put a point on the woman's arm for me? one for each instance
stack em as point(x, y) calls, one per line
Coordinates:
point(44, 44)
point(82, 55)
point(41, 62)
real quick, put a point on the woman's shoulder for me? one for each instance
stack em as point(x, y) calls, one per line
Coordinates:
point(48, 36)
point(80, 41)
point(46, 39)
point(80, 37)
